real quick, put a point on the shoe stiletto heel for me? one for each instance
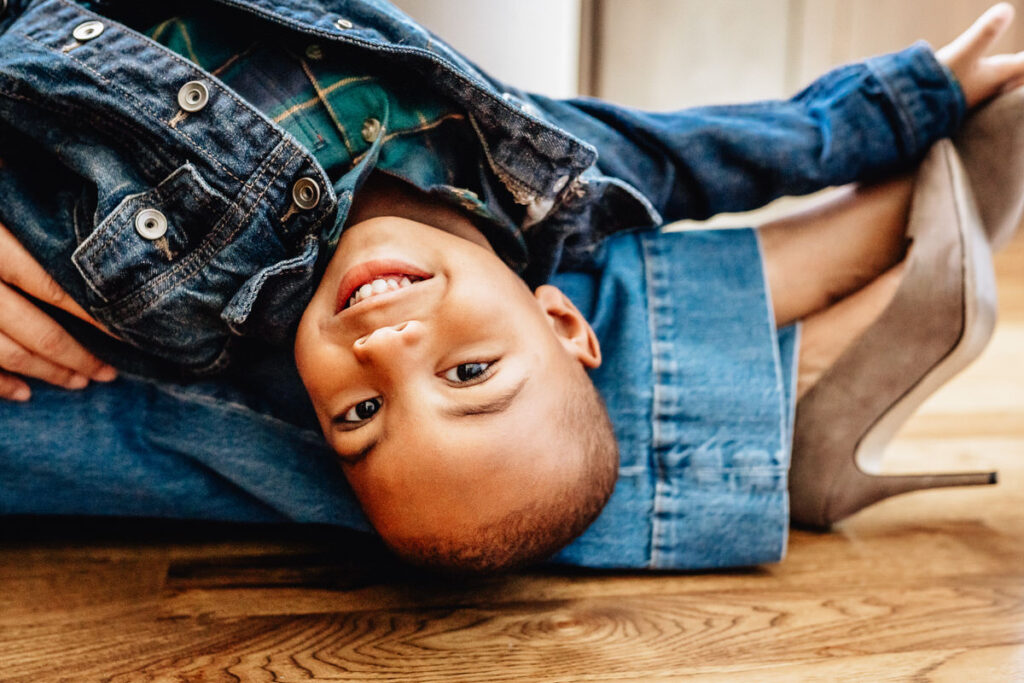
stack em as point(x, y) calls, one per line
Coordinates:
point(991, 146)
point(939, 320)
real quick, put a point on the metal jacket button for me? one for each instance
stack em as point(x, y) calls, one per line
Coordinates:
point(150, 224)
point(306, 193)
point(193, 96)
point(343, 24)
point(87, 30)
point(371, 129)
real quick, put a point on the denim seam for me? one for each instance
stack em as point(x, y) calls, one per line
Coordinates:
point(113, 233)
point(191, 66)
point(140, 105)
point(908, 132)
point(143, 106)
point(159, 196)
point(99, 122)
point(283, 267)
point(776, 355)
point(120, 304)
point(280, 134)
point(522, 192)
point(133, 304)
point(211, 245)
point(652, 265)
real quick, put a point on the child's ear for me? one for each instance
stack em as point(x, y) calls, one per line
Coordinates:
point(569, 325)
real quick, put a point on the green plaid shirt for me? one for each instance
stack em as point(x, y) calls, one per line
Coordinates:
point(336, 105)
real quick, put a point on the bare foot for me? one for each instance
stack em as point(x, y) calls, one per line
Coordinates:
point(826, 334)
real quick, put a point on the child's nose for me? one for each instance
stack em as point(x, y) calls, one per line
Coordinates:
point(391, 344)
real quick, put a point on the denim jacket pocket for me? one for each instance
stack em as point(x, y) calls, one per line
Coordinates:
point(152, 268)
point(150, 237)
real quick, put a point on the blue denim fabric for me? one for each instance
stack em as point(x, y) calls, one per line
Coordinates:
point(87, 139)
point(697, 382)
point(91, 133)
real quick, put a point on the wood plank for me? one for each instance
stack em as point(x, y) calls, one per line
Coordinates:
point(597, 638)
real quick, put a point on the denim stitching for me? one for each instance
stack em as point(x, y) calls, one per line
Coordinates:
point(134, 305)
point(101, 124)
point(191, 66)
point(652, 266)
point(142, 106)
point(159, 195)
point(909, 134)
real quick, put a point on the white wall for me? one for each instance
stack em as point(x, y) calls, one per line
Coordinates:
point(666, 54)
point(532, 44)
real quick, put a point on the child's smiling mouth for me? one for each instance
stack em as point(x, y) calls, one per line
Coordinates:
point(374, 279)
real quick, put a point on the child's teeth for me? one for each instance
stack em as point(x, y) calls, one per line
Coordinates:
point(378, 286)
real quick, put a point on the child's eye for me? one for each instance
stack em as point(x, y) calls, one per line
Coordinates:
point(361, 411)
point(467, 372)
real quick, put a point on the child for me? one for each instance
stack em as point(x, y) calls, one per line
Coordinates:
point(217, 254)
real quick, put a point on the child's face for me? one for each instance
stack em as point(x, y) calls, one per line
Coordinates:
point(439, 396)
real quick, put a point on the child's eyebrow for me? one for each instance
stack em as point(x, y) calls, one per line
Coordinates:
point(496, 405)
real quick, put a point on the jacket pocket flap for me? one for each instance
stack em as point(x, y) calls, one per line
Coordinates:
point(151, 235)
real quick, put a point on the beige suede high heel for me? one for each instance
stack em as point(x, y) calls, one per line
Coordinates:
point(939, 320)
point(991, 146)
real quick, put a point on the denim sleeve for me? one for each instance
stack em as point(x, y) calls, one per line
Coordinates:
point(858, 122)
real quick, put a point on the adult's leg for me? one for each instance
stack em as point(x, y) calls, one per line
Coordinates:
point(836, 266)
point(817, 256)
point(826, 333)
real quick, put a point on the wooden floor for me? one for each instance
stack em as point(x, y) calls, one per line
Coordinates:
point(927, 587)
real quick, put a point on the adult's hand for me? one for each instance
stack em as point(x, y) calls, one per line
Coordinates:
point(982, 75)
point(32, 344)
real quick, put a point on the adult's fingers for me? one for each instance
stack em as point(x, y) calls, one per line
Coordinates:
point(978, 39)
point(37, 332)
point(13, 389)
point(16, 358)
point(19, 268)
point(1007, 68)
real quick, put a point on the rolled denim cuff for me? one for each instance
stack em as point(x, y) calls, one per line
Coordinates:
point(927, 95)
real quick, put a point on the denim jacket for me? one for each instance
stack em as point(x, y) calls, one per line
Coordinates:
point(92, 135)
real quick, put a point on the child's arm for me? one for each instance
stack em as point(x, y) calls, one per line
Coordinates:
point(859, 122)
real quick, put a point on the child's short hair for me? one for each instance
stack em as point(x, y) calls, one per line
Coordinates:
point(538, 530)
